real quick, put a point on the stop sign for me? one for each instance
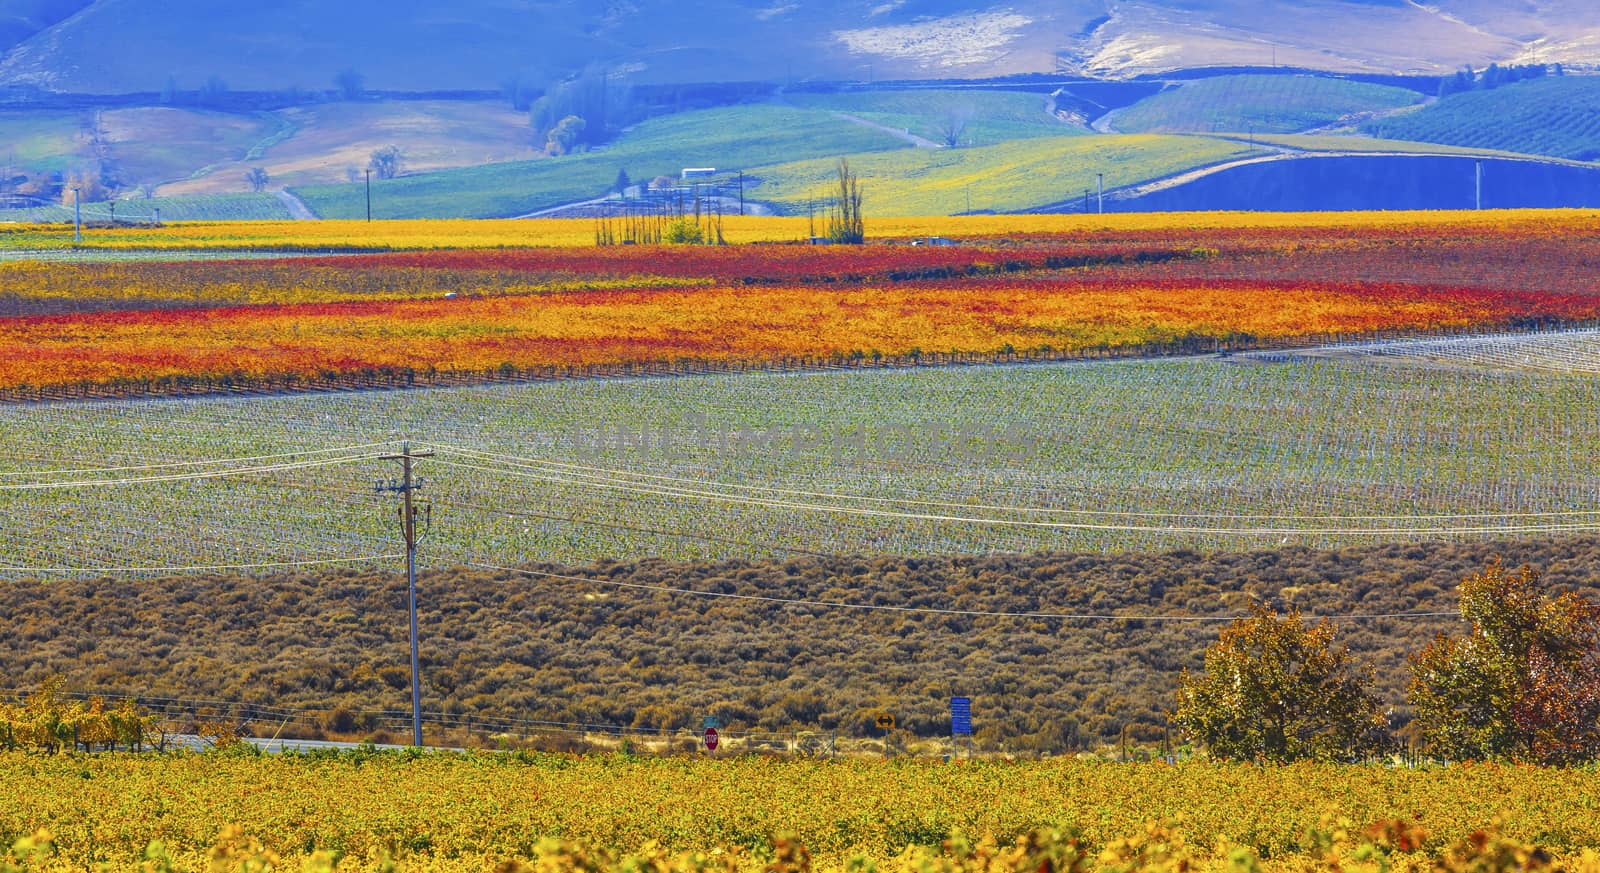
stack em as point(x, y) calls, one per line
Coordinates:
point(711, 739)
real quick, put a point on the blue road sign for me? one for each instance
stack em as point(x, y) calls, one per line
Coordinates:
point(961, 715)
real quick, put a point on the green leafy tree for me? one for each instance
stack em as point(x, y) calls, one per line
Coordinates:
point(214, 92)
point(90, 188)
point(565, 136)
point(351, 84)
point(1276, 690)
point(1523, 683)
point(683, 231)
point(385, 162)
point(257, 179)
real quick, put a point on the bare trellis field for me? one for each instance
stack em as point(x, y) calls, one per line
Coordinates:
point(1210, 453)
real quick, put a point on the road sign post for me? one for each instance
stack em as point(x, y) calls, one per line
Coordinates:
point(960, 724)
point(885, 723)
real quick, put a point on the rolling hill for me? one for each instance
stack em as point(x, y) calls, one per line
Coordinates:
point(104, 46)
point(1023, 149)
point(21, 19)
point(1010, 177)
point(973, 116)
point(176, 151)
point(1556, 115)
point(331, 142)
point(729, 138)
point(1267, 104)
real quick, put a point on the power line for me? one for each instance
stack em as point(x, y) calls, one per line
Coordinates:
point(199, 567)
point(516, 513)
point(627, 476)
point(409, 512)
point(929, 610)
point(199, 463)
point(187, 477)
point(663, 491)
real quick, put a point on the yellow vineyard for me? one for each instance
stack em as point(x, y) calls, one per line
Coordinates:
point(480, 811)
point(494, 233)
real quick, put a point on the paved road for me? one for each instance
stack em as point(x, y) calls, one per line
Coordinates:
point(730, 206)
point(897, 132)
point(273, 747)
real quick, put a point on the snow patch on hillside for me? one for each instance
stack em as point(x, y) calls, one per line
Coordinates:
point(1136, 51)
point(955, 41)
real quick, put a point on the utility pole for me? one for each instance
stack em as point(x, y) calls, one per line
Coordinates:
point(741, 192)
point(1100, 192)
point(969, 199)
point(369, 195)
point(1477, 190)
point(408, 529)
point(77, 214)
point(1086, 201)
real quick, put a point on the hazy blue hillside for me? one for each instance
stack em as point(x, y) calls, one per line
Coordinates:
point(136, 45)
point(1556, 116)
point(21, 19)
point(1280, 104)
point(730, 139)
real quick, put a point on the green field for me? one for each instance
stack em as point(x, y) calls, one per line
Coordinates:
point(1557, 116)
point(1200, 453)
point(146, 145)
point(184, 151)
point(201, 207)
point(326, 143)
point(732, 138)
point(41, 141)
point(987, 117)
point(1275, 104)
point(1010, 177)
point(461, 157)
point(1373, 145)
point(152, 145)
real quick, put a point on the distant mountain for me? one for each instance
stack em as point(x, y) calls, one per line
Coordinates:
point(21, 19)
point(1343, 35)
point(142, 45)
